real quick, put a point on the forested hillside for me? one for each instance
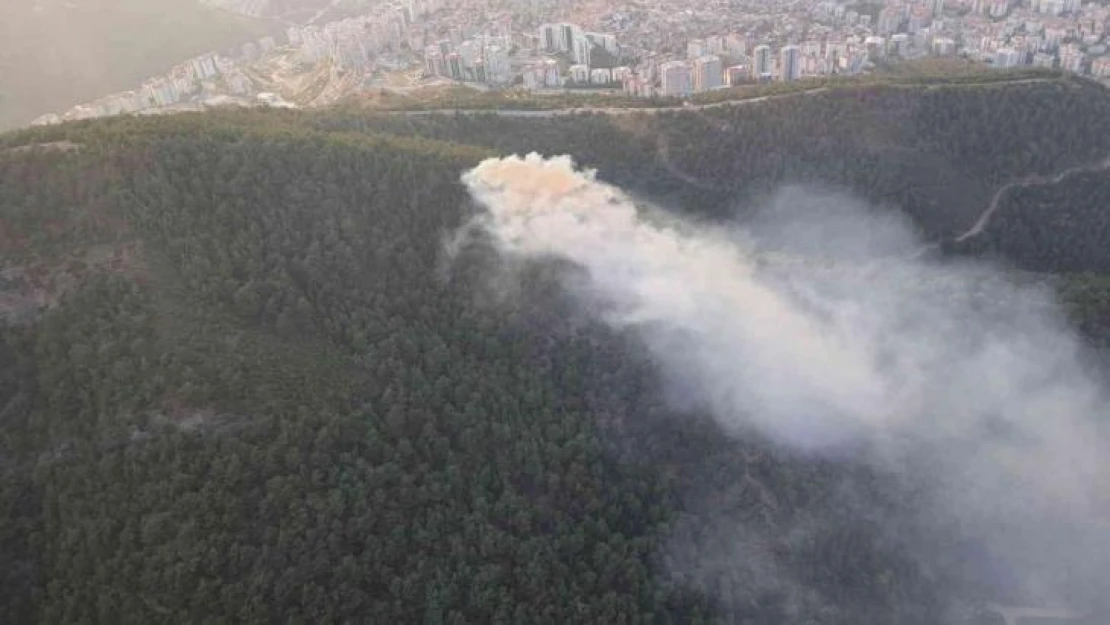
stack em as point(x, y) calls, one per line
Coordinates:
point(938, 152)
point(242, 380)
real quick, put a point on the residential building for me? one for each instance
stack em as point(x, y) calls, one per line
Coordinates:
point(695, 48)
point(601, 76)
point(763, 64)
point(582, 50)
point(1008, 57)
point(551, 73)
point(1042, 59)
point(674, 78)
point(737, 74)
point(454, 64)
point(433, 62)
point(607, 41)
point(944, 46)
point(790, 63)
point(707, 73)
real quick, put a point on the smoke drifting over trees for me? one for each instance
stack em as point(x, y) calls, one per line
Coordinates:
point(813, 326)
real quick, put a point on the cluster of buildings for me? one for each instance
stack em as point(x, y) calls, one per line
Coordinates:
point(703, 71)
point(1046, 33)
point(484, 59)
point(560, 44)
point(352, 44)
point(194, 80)
point(758, 44)
point(833, 36)
point(355, 42)
point(1064, 34)
point(555, 56)
point(645, 48)
point(574, 41)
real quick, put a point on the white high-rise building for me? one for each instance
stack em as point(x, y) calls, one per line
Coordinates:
point(736, 44)
point(601, 76)
point(707, 73)
point(572, 39)
point(471, 52)
point(944, 46)
point(695, 48)
point(454, 64)
point(433, 61)
point(1071, 60)
point(582, 50)
point(900, 43)
point(875, 46)
point(1100, 67)
point(553, 38)
point(551, 73)
point(889, 21)
point(790, 63)
point(604, 40)
point(1007, 57)
point(204, 66)
point(762, 62)
point(497, 65)
point(674, 78)
point(737, 74)
point(532, 77)
point(1043, 59)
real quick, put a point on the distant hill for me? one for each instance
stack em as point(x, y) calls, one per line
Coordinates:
point(55, 54)
point(239, 380)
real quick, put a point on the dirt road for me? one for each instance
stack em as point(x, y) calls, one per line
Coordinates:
point(1028, 181)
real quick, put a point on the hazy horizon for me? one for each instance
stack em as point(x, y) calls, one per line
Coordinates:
point(55, 54)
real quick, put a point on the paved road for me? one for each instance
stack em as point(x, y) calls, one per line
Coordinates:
point(629, 110)
point(612, 110)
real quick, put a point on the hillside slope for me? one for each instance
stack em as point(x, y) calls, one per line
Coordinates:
point(241, 378)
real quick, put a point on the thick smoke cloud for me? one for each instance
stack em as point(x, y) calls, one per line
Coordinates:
point(815, 326)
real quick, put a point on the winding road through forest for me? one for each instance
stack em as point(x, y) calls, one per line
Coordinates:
point(976, 229)
point(1028, 181)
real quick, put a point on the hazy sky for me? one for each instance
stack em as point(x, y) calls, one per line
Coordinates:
point(55, 54)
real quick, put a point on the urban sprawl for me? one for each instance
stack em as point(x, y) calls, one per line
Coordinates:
point(643, 49)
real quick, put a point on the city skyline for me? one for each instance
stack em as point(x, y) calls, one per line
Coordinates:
point(658, 51)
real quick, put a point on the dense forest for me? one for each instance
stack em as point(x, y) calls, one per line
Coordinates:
point(242, 381)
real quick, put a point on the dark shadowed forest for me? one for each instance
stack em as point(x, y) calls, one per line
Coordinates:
point(242, 380)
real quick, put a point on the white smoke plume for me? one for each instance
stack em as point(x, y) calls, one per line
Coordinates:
point(814, 326)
